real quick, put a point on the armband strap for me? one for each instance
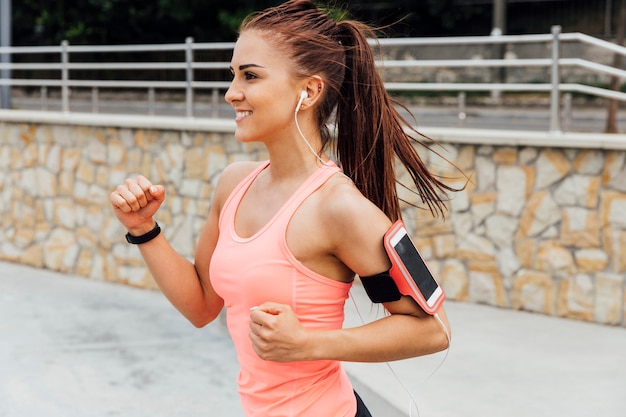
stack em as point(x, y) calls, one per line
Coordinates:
point(381, 288)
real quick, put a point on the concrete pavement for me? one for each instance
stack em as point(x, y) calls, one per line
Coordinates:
point(72, 347)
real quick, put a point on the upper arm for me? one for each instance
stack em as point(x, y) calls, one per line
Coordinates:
point(358, 228)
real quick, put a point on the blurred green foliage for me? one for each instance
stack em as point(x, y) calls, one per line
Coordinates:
point(48, 22)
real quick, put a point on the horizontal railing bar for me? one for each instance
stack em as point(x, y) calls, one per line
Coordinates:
point(26, 82)
point(211, 65)
point(466, 87)
point(593, 41)
point(126, 65)
point(541, 62)
point(115, 65)
point(126, 84)
point(463, 40)
point(126, 48)
point(212, 84)
point(594, 91)
point(29, 49)
point(31, 67)
point(593, 66)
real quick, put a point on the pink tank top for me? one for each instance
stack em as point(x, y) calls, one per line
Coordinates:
point(247, 272)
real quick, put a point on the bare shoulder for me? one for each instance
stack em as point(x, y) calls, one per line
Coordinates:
point(231, 176)
point(355, 225)
point(344, 203)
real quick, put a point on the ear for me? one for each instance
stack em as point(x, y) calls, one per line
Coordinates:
point(314, 89)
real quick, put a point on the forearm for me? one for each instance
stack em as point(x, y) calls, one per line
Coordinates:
point(391, 338)
point(180, 282)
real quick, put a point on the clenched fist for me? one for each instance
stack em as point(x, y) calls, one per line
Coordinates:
point(135, 202)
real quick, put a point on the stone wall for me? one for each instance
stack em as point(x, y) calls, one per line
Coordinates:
point(541, 229)
point(538, 228)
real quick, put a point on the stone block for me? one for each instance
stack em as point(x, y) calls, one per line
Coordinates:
point(454, 280)
point(555, 259)
point(580, 228)
point(589, 161)
point(96, 151)
point(506, 156)
point(444, 246)
point(609, 299)
point(591, 260)
point(576, 297)
point(64, 213)
point(476, 248)
point(84, 263)
point(485, 173)
point(508, 264)
point(39, 182)
point(70, 159)
point(552, 166)
point(465, 158)
point(60, 251)
point(195, 163)
point(482, 205)
point(578, 190)
point(85, 171)
point(539, 214)
point(615, 163)
point(500, 230)
point(485, 284)
point(534, 291)
point(33, 256)
point(513, 185)
point(614, 243)
point(613, 209)
point(116, 153)
point(427, 225)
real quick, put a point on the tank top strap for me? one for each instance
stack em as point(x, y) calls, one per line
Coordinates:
point(230, 205)
point(314, 182)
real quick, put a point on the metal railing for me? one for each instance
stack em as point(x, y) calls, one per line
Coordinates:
point(190, 66)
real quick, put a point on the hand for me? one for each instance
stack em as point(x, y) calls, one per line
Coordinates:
point(277, 335)
point(135, 202)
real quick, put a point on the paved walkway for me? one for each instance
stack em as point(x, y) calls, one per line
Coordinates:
point(72, 347)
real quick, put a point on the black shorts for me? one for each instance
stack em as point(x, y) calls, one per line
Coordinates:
point(361, 409)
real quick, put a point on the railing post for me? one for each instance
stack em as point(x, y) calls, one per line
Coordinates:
point(215, 106)
point(95, 104)
point(5, 58)
point(65, 89)
point(555, 122)
point(151, 101)
point(462, 109)
point(567, 112)
point(189, 77)
point(44, 98)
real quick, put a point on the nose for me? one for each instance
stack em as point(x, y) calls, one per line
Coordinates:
point(233, 94)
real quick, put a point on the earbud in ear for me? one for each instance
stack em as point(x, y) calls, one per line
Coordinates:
point(303, 95)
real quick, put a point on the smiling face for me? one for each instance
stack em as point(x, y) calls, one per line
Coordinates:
point(264, 92)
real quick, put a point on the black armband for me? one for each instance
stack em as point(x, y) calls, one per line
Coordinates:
point(381, 288)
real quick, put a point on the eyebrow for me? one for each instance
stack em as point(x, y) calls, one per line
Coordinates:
point(246, 66)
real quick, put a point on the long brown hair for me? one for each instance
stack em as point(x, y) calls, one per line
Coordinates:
point(369, 132)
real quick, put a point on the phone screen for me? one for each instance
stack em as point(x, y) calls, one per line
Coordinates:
point(416, 266)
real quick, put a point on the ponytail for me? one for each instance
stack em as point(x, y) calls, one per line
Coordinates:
point(370, 132)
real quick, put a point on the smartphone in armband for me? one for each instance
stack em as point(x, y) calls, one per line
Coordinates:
point(410, 272)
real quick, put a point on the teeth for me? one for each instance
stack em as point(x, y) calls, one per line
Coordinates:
point(243, 113)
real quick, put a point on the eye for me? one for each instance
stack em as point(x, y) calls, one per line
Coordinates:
point(250, 75)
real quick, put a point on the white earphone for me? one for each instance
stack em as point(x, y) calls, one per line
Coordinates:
point(303, 95)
